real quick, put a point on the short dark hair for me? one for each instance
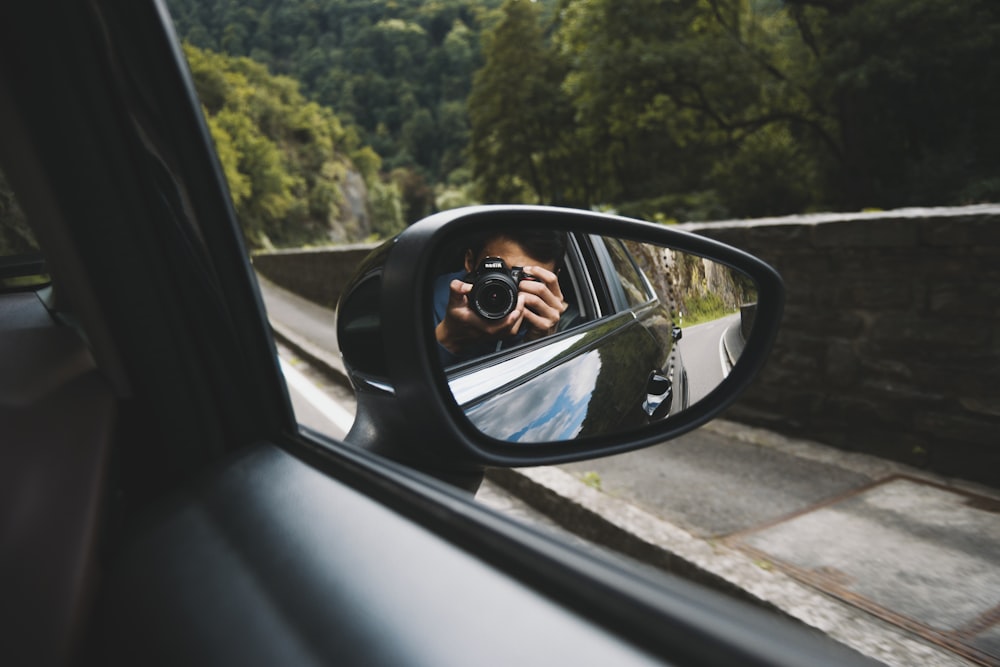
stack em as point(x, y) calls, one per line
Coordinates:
point(545, 245)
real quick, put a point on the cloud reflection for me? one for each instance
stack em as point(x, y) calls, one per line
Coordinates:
point(548, 408)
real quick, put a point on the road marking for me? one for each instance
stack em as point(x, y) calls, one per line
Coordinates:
point(724, 356)
point(327, 406)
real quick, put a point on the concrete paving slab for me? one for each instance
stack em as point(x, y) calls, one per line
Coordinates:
point(712, 485)
point(987, 642)
point(916, 554)
point(622, 526)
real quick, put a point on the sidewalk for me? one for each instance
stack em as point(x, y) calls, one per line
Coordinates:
point(899, 564)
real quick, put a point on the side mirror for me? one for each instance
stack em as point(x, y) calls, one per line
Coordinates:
point(578, 354)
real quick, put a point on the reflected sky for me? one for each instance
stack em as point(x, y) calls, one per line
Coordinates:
point(534, 412)
point(472, 385)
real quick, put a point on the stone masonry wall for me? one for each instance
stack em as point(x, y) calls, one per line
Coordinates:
point(890, 342)
point(318, 274)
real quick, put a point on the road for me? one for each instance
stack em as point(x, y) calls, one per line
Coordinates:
point(318, 403)
point(704, 358)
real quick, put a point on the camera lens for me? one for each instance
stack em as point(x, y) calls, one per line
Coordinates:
point(494, 298)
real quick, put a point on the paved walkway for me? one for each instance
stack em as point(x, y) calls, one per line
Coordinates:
point(901, 565)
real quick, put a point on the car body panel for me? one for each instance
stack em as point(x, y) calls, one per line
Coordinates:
point(575, 390)
point(590, 379)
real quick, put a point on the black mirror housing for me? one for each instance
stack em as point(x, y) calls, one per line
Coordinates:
point(387, 338)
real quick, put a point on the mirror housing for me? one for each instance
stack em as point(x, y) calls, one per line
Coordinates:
point(387, 339)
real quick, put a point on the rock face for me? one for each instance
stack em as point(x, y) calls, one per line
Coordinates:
point(354, 221)
point(680, 279)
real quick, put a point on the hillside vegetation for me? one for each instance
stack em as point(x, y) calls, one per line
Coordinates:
point(661, 109)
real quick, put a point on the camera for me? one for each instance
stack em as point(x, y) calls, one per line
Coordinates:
point(494, 288)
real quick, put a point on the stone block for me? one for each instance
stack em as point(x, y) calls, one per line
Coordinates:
point(869, 233)
point(970, 231)
point(961, 426)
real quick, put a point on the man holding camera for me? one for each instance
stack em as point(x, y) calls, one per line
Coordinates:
point(509, 293)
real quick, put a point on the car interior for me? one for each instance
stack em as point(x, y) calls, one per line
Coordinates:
point(58, 419)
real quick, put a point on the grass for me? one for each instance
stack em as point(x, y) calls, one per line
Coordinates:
point(705, 308)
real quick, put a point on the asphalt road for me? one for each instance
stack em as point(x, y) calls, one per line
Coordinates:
point(318, 403)
point(704, 359)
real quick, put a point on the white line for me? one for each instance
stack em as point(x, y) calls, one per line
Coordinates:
point(327, 406)
point(723, 357)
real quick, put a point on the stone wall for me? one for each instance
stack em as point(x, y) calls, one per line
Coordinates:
point(890, 342)
point(318, 274)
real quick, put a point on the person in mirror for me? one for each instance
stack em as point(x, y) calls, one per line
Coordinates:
point(534, 258)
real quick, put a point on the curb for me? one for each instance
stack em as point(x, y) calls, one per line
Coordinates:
point(329, 365)
point(626, 529)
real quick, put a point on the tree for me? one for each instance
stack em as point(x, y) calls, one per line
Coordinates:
point(286, 159)
point(521, 125)
point(677, 95)
point(913, 86)
point(376, 63)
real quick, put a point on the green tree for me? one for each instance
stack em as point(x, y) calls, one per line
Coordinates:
point(679, 96)
point(913, 87)
point(521, 142)
point(285, 158)
point(378, 64)
point(387, 210)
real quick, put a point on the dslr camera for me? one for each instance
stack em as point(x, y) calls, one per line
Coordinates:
point(494, 288)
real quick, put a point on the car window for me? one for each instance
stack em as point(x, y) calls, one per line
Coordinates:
point(577, 287)
point(21, 262)
point(634, 287)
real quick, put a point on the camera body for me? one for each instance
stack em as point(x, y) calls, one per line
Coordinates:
point(494, 288)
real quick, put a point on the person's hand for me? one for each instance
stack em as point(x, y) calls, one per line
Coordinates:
point(462, 326)
point(541, 299)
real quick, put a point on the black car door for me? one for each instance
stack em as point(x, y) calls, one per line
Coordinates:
point(591, 379)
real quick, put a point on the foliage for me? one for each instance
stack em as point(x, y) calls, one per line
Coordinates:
point(912, 87)
point(752, 107)
point(286, 159)
point(591, 479)
point(387, 211)
point(522, 144)
point(706, 307)
point(662, 109)
point(396, 71)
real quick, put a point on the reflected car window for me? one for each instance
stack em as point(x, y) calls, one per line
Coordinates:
point(637, 291)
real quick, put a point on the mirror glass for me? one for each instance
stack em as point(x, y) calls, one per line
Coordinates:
point(551, 336)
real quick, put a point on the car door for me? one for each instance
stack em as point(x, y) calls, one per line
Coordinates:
point(590, 379)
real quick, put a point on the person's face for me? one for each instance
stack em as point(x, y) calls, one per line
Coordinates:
point(509, 251)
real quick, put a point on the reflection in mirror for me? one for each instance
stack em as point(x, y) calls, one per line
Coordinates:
point(547, 336)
